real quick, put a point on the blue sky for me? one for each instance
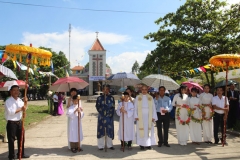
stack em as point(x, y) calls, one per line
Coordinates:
point(121, 34)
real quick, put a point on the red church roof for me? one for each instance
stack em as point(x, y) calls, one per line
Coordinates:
point(77, 68)
point(97, 46)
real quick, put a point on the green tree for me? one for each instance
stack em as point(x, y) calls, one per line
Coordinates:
point(135, 67)
point(188, 38)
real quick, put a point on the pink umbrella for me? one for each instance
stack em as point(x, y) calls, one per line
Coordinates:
point(191, 85)
point(5, 86)
point(66, 83)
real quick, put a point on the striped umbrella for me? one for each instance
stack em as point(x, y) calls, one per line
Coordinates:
point(4, 71)
point(157, 80)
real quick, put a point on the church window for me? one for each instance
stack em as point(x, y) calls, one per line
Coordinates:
point(94, 55)
point(94, 69)
point(101, 68)
point(100, 56)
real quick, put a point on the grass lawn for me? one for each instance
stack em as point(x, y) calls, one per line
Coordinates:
point(34, 114)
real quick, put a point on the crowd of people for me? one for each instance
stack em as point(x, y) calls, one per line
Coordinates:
point(197, 116)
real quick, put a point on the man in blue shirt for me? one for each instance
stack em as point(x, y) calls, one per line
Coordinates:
point(163, 109)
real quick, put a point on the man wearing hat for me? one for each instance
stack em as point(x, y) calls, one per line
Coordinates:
point(14, 107)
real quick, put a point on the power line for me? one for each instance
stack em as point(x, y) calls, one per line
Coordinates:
point(81, 9)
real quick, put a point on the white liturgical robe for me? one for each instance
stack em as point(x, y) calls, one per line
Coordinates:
point(128, 121)
point(73, 124)
point(149, 138)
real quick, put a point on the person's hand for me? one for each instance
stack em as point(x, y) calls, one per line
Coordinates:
point(164, 111)
point(153, 120)
point(226, 109)
point(24, 108)
point(136, 119)
point(25, 99)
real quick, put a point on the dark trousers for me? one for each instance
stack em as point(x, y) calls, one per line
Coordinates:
point(128, 144)
point(218, 121)
point(14, 129)
point(55, 107)
point(232, 115)
point(163, 120)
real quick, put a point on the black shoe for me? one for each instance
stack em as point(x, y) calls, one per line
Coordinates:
point(167, 145)
point(74, 150)
point(149, 147)
point(112, 148)
point(216, 142)
point(24, 156)
point(209, 142)
point(159, 144)
point(11, 158)
point(100, 149)
point(141, 147)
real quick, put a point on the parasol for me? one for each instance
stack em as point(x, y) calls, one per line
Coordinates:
point(225, 61)
point(191, 85)
point(33, 55)
point(4, 71)
point(5, 86)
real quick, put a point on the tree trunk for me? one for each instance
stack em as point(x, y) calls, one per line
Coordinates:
point(207, 77)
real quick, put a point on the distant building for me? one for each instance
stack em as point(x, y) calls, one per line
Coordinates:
point(77, 70)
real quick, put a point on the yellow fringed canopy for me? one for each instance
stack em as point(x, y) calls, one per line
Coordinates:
point(220, 60)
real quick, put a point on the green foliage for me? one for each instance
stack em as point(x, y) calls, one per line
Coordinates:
point(188, 38)
point(34, 114)
point(183, 79)
point(135, 67)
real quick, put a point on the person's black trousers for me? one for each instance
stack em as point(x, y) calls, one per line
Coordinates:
point(163, 120)
point(14, 129)
point(217, 121)
point(232, 115)
point(55, 108)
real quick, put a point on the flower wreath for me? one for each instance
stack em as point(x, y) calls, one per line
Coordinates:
point(182, 122)
point(194, 119)
point(204, 114)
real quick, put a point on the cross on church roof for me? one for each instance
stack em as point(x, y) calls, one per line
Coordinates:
point(97, 46)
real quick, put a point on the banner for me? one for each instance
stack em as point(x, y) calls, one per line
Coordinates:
point(96, 78)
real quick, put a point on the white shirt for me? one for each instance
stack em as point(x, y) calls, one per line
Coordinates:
point(219, 103)
point(11, 105)
point(55, 97)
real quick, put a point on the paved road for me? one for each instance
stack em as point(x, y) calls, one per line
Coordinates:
point(48, 141)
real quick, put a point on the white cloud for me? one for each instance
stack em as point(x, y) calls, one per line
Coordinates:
point(80, 42)
point(124, 61)
point(232, 1)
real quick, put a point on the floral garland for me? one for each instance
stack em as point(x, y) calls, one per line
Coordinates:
point(194, 119)
point(204, 114)
point(182, 122)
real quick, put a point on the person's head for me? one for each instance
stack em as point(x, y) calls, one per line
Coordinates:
point(156, 94)
point(182, 90)
point(194, 92)
point(106, 89)
point(144, 89)
point(232, 86)
point(73, 92)
point(220, 91)
point(75, 99)
point(56, 93)
point(14, 91)
point(129, 91)
point(126, 96)
point(161, 90)
point(206, 88)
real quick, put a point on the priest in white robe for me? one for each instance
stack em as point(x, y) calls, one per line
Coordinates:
point(73, 131)
point(125, 111)
point(145, 115)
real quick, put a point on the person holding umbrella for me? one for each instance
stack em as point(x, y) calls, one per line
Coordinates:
point(219, 107)
point(14, 107)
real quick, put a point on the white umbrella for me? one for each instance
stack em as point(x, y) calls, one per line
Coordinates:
point(5, 86)
point(124, 79)
point(4, 71)
point(157, 80)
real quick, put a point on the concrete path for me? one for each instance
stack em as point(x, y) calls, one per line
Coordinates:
point(48, 141)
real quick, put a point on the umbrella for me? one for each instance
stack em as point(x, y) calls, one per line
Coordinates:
point(31, 53)
point(4, 71)
point(223, 83)
point(66, 83)
point(157, 80)
point(225, 61)
point(5, 86)
point(191, 85)
point(124, 79)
